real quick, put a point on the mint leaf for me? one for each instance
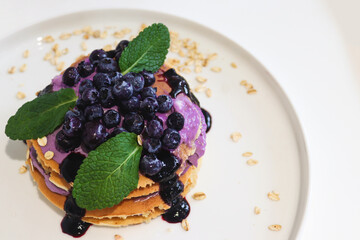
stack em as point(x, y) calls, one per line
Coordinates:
point(109, 173)
point(147, 51)
point(40, 116)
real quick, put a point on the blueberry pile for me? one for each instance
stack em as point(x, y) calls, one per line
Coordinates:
point(110, 103)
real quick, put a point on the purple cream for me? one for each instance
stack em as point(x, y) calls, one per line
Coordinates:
point(52, 187)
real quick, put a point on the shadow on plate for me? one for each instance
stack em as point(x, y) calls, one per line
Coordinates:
point(16, 150)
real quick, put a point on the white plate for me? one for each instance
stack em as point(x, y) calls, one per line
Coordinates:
point(266, 120)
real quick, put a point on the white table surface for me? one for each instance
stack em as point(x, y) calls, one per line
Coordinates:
point(312, 47)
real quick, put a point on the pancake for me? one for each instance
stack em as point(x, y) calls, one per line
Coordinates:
point(130, 211)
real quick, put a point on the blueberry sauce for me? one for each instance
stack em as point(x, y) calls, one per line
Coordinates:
point(74, 226)
point(208, 119)
point(72, 223)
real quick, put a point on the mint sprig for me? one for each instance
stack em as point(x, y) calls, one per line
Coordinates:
point(40, 116)
point(109, 173)
point(147, 51)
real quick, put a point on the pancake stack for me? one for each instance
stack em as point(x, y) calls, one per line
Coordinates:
point(141, 205)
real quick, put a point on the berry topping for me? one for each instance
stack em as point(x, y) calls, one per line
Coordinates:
point(94, 135)
point(131, 105)
point(107, 65)
point(170, 164)
point(170, 189)
point(150, 165)
point(171, 139)
point(208, 120)
point(72, 209)
point(179, 210)
point(116, 131)
point(97, 55)
point(84, 84)
point(101, 80)
point(149, 78)
point(74, 226)
point(85, 69)
point(136, 80)
point(154, 129)
point(148, 92)
point(175, 121)
point(122, 45)
point(70, 166)
point(47, 89)
point(106, 98)
point(111, 118)
point(90, 96)
point(149, 107)
point(111, 53)
point(72, 125)
point(122, 90)
point(93, 112)
point(133, 122)
point(65, 143)
point(165, 103)
point(152, 145)
point(71, 76)
point(115, 77)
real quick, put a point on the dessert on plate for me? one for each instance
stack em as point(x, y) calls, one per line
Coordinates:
point(117, 138)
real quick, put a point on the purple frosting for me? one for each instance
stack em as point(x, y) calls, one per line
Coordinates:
point(52, 187)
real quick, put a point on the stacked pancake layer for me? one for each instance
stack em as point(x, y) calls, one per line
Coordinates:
point(142, 204)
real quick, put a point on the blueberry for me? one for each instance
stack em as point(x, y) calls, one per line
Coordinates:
point(171, 139)
point(107, 65)
point(208, 119)
point(111, 53)
point(149, 107)
point(149, 78)
point(170, 164)
point(116, 131)
point(93, 112)
point(90, 96)
point(72, 126)
point(75, 113)
point(65, 143)
point(122, 90)
point(101, 80)
point(97, 55)
point(70, 165)
point(115, 77)
point(80, 104)
point(165, 103)
point(71, 208)
point(170, 189)
point(85, 69)
point(46, 90)
point(179, 210)
point(84, 84)
point(131, 105)
point(106, 98)
point(122, 45)
point(154, 129)
point(152, 145)
point(111, 118)
point(133, 122)
point(71, 76)
point(148, 92)
point(94, 134)
point(175, 121)
point(150, 165)
point(118, 56)
point(136, 80)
